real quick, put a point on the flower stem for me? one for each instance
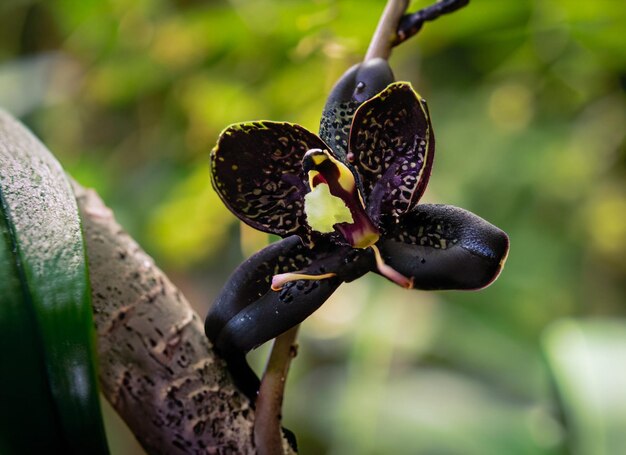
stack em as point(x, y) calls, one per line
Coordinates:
point(267, 429)
point(386, 31)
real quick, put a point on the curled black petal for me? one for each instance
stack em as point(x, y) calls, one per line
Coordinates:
point(252, 279)
point(248, 312)
point(445, 247)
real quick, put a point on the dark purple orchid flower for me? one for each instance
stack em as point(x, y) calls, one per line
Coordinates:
point(345, 205)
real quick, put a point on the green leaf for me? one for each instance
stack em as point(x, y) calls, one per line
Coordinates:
point(48, 385)
point(586, 359)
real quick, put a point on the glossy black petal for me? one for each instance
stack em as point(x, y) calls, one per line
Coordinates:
point(445, 247)
point(256, 169)
point(392, 146)
point(248, 312)
point(252, 279)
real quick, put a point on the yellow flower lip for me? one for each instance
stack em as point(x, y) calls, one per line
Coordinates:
point(323, 210)
point(334, 201)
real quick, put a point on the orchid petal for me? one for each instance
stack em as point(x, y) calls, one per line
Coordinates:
point(248, 312)
point(392, 147)
point(358, 84)
point(445, 247)
point(257, 171)
point(251, 283)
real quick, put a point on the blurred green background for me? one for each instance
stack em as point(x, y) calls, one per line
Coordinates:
point(528, 105)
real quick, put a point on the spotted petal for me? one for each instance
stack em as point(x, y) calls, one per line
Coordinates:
point(392, 147)
point(257, 171)
point(445, 247)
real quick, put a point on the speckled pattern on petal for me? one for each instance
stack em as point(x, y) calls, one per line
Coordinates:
point(392, 147)
point(257, 171)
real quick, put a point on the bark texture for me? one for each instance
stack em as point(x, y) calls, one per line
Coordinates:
point(156, 367)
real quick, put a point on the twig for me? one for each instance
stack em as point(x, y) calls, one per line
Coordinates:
point(267, 426)
point(385, 34)
point(412, 23)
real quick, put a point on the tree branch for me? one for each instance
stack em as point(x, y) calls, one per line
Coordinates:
point(157, 368)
